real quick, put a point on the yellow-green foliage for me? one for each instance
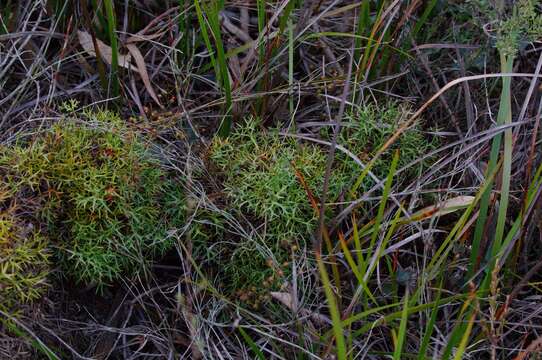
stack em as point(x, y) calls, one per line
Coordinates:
point(261, 181)
point(105, 203)
point(516, 22)
point(261, 178)
point(260, 170)
point(366, 130)
point(24, 261)
point(525, 24)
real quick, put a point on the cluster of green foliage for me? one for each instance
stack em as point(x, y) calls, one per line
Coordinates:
point(262, 177)
point(105, 204)
point(367, 130)
point(525, 25)
point(516, 23)
point(260, 180)
point(24, 261)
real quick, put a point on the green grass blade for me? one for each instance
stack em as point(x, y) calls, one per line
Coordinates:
point(514, 229)
point(21, 332)
point(357, 243)
point(88, 23)
point(259, 354)
point(363, 25)
point(362, 38)
point(223, 74)
point(372, 38)
point(184, 26)
point(111, 29)
point(291, 70)
point(423, 18)
point(218, 57)
point(285, 16)
point(430, 325)
point(457, 336)
point(5, 17)
point(402, 329)
point(205, 35)
point(493, 157)
point(260, 7)
point(337, 326)
point(360, 179)
point(395, 315)
point(382, 205)
point(465, 338)
point(101, 25)
point(445, 247)
point(355, 269)
point(504, 117)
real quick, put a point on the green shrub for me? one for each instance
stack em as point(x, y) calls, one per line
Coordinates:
point(367, 130)
point(106, 203)
point(516, 23)
point(260, 180)
point(24, 262)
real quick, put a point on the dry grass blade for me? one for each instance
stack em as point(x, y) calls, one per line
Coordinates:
point(446, 207)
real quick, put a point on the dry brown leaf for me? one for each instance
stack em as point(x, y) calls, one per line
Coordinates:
point(85, 39)
point(443, 208)
point(140, 62)
point(286, 299)
point(283, 297)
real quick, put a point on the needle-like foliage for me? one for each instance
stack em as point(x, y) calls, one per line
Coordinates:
point(103, 196)
point(264, 174)
point(24, 261)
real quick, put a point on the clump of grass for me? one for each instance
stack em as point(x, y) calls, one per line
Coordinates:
point(103, 196)
point(515, 25)
point(24, 261)
point(263, 174)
